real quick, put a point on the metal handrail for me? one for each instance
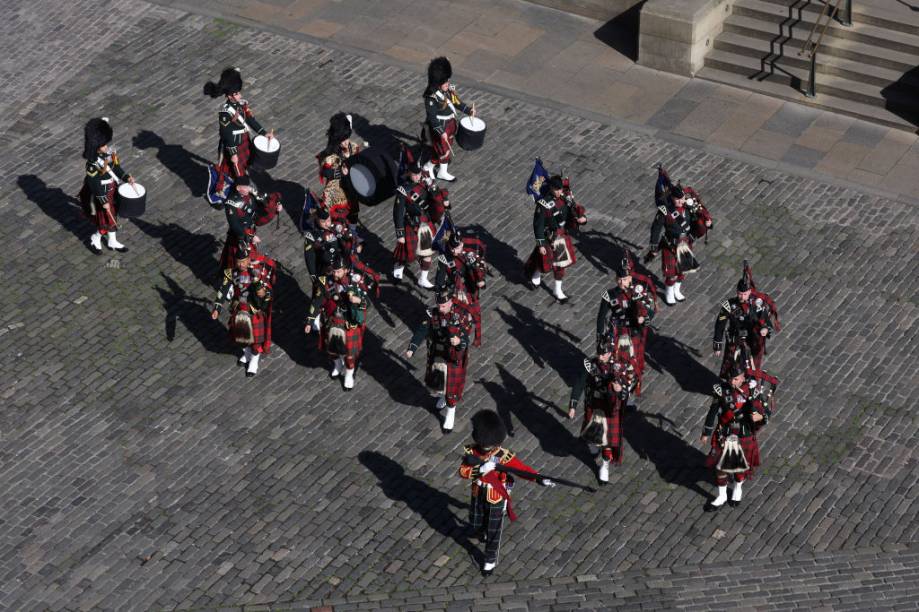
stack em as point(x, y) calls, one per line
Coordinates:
point(810, 47)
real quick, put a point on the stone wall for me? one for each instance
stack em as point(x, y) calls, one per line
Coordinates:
point(675, 35)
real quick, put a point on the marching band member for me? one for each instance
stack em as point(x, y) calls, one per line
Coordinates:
point(250, 291)
point(419, 208)
point(557, 214)
point(235, 119)
point(332, 169)
point(446, 330)
point(743, 324)
point(441, 106)
point(462, 271)
point(245, 209)
point(103, 173)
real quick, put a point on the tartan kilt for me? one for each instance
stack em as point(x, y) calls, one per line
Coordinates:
point(456, 378)
point(261, 329)
point(226, 167)
point(610, 410)
point(441, 150)
point(104, 220)
point(748, 444)
point(545, 263)
point(404, 253)
point(354, 338)
point(670, 263)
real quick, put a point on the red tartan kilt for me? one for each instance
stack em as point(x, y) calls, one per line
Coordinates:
point(404, 253)
point(354, 338)
point(106, 220)
point(638, 344)
point(261, 331)
point(440, 148)
point(543, 263)
point(613, 415)
point(669, 264)
point(750, 450)
point(456, 379)
point(225, 167)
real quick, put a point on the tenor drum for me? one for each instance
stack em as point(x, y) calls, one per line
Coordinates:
point(371, 176)
point(132, 200)
point(267, 151)
point(471, 133)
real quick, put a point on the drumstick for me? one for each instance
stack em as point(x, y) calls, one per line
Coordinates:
point(134, 187)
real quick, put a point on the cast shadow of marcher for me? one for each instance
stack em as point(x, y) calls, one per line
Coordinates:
point(547, 344)
point(55, 203)
point(398, 376)
point(676, 461)
point(538, 415)
point(381, 135)
point(197, 252)
point(500, 256)
point(900, 96)
point(604, 251)
point(665, 353)
point(195, 314)
point(433, 506)
point(288, 318)
point(188, 166)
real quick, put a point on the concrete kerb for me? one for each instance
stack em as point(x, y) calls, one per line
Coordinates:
point(553, 104)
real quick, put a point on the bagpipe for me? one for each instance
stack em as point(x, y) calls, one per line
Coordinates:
point(698, 214)
point(767, 301)
point(499, 467)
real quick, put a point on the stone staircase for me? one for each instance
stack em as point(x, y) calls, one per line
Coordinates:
point(869, 70)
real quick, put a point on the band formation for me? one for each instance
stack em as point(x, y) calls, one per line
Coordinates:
point(452, 262)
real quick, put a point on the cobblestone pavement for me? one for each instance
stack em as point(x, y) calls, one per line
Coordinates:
point(141, 470)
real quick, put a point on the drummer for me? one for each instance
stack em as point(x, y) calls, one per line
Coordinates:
point(103, 173)
point(441, 105)
point(235, 119)
point(332, 168)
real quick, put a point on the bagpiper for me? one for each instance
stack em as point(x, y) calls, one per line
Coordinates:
point(103, 174)
point(676, 227)
point(627, 309)
point(343, 207)
point(235, 120)
point(323, 241)
point(250, 292)
point(556, 216)
point(246, 208)
point(419, 209)
point(441, 107)
point(609, 379)
point(743, 324)
point(339, 314)
point(446, 330)
point(491, 485)
point(462, 271)
point(742, 404)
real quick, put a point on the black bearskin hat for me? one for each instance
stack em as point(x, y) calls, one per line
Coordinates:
point(231, 81)
point(735, 370)
point(242, 251)
point(743, 284)
point(676, 191)
point(414, 167)
point(322, 214)
point(242, 181)
point(555, 182)
point(339, 129)
point(439, 72)
point(488, 429)
point(339, 262)
point(454, 241)
point(97, 132)
point(444, 296)
point(624, 268)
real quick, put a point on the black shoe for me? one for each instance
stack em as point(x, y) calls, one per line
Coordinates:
point(733, 504)
point(710, 508)
point(121, 249)
point(97, 251)
point(563, 300)
point(249, 374)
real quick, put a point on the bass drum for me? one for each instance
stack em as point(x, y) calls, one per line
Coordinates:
point(371, 176)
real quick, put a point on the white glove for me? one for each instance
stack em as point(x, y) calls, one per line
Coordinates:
point(547, 483)
point(486, 467)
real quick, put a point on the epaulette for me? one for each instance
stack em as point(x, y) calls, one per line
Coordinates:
point(443, 259)
point(726, 305)
point(663, 210)
point(91, 169)
point(545, 204)
point(468, 449)
point(401, 190)
point(332, 157)
point(718, 390)
point(504, 455)
point(589, 366)
point(606, 297)
point(308, 237)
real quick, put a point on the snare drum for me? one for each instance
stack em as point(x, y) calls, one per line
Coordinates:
point(471, 134)
point(266, 151)
point(371, 176)
point(132, 200)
